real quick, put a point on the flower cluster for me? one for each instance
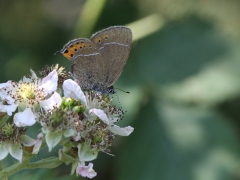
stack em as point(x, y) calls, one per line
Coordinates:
point(82, 122)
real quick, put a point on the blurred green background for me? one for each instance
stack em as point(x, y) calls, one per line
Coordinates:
point(183, 74)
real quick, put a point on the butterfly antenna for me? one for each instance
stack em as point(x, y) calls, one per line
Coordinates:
point(122, 90)
point(56, 53)
point(119, 100)
point(119, 103)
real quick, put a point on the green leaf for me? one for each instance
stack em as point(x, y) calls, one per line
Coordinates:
point(177, 142)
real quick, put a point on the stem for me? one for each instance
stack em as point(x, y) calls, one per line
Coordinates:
point(51, 162)
point(14, 168)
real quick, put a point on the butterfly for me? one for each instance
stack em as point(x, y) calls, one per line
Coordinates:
point(98, 62)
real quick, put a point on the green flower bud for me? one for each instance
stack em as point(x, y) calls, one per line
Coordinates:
point(8, 130)
point(82, 108)
point(76, 109)
point(69, 102)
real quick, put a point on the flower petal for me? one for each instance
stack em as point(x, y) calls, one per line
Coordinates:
point(25, 118)
point(3, 151)
point(73, 90)
point(54, 101)
point(4, 89)
point(121, 131)
point(16, 151)
point(9, 109)
point(5, 85)
point(99, 113)
point(77, 137)
point(85, 153)
point(7, 103)
point(38, 143)
point(52, 139)
point(86, 171)
point(49, 83)
point(33, 76)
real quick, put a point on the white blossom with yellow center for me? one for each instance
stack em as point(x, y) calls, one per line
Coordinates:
point(27, 95)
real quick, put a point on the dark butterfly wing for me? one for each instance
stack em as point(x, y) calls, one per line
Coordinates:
point(88, 66)
point(114, 44)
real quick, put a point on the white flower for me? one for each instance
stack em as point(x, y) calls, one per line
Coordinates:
point(50, 115)
point(94, 108)
point(11, 141)
point(28, 94)
point(86, 171)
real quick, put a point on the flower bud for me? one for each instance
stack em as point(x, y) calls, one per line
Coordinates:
point(68, 102)
point(76, 109)
point(82, 108)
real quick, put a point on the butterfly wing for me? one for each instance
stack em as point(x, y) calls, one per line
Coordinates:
point(88, 66)
point(114, 44)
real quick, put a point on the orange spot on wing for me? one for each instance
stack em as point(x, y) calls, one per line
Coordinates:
point(98, 40)
point(71, 51)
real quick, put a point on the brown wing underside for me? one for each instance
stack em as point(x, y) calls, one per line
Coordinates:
point(88, 66)
point(114, 44)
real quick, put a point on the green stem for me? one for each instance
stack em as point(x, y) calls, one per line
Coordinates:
point(0, 165)
point(15, 167)
point(51, 162)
